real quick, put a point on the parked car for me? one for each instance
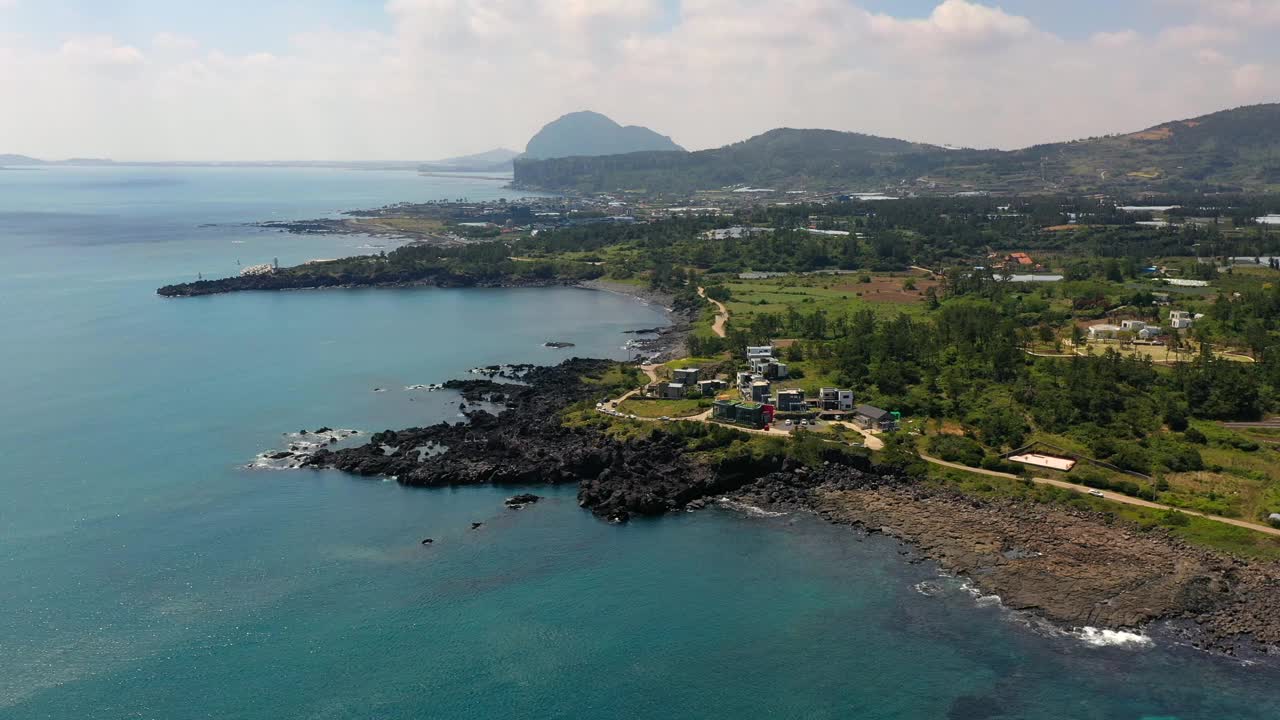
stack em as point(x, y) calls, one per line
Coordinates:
point(1096, 493)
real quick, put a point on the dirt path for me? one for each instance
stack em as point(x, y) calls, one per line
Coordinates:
point(722, 314)
point(872, 442)
point(1112, 496)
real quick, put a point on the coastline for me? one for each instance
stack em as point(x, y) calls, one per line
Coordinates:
point(1073, 568)
point(1077, 570)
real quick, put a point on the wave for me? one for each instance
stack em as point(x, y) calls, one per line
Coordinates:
point(1101, 637)
point(749, 509)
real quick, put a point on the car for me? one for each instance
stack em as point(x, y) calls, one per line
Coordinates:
point(804, 422)
point(788, 423)
point(1096, 493)
point(633, 417)
point(664, 417)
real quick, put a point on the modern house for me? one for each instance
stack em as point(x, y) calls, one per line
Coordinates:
point(686, 376)
point(1103, 332)
point(671, 391)
point(760, 391)
point(1180, 319)
point(760, 351)
point(1133, 326)
point(873, 418)
point(744, 380)
point(710, 388)
point(769, 368)
point(792, 401)
point(752, 415)
point(835, 399)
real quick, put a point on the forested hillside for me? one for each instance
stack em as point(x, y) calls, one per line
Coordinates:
point(1233, 150)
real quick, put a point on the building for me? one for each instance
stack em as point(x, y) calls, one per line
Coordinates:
point(710, 388)
point(835, 399)
point(1133, 326)
point(686, 376)
point(1180, 319)
point(792, 401)
point(744, 380)
point(671, 391)
point(1103, 332)
point(871, 417)
point(760, 391)
point(1150, 332)
point(762, 351)
point(750, 414)
point(769, 368)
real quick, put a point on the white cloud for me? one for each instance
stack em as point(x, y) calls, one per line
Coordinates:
point(455, 76)
point(1120, 39)
point(100, 51)
point(1198, 36)
point(174, 42)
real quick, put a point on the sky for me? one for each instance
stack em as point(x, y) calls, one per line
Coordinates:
point(425, 79)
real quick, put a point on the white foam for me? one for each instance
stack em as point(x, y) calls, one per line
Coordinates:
point(928, 588)
point(1101, 637)
point(749, 509)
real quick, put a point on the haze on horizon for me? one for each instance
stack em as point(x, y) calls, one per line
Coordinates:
point(425, 79)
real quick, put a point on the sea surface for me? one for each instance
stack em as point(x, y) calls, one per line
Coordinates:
point(146, 573)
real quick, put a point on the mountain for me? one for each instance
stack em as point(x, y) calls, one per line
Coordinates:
point(586, 133)
point(497, 160)
point(1230, 150)
point(19, 160)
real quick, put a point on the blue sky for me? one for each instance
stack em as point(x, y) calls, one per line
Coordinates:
point(418, 79)
point(230, 25)
point(265, 25)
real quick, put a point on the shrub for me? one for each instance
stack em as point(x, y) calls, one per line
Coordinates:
point(957, 448)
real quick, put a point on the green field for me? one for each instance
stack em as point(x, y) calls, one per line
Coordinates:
point(652, 408)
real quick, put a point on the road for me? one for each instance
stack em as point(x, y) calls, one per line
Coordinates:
point(1112, 496)
point(875, 443)
point(722, 316)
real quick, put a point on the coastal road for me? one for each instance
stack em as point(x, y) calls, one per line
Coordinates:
point(1107, 494)
point(722, 314)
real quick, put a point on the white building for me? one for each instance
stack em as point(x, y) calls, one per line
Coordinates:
point(1103, 332)
point(1133, 326)
point(835, 399)
point(1180, 319)
point(762, 351)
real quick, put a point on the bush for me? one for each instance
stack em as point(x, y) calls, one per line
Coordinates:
point(1195, 436)
point(957, 448)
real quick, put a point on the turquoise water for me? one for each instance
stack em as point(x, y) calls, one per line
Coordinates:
point(146, 574)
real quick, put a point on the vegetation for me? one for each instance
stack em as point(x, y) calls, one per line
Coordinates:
point(1230, 150)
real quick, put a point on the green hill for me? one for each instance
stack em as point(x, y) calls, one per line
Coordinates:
point(1234, 149)
point(589, 134)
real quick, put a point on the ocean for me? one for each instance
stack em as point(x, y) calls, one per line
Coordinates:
point(148, 574)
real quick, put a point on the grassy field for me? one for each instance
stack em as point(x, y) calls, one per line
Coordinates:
point(836, 294)
point(652, 408)
point(1158, 353)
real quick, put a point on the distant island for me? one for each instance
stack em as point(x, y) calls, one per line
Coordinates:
point(1233, 150)
point(496, 160)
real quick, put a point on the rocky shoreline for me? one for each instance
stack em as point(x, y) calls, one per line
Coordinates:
point(321, 281)
point(1073, 568)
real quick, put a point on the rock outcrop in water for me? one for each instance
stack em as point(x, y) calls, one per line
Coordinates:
point(1076, 568)
point(526, 445)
